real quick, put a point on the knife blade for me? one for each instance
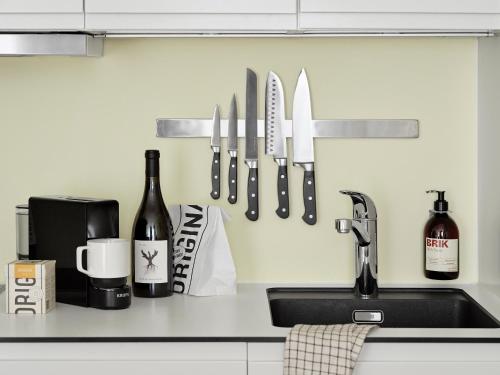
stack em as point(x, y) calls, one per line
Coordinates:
point(232, 149)
point(251, 147)
point(276, 139)
point(303, 145)
point(215, 145)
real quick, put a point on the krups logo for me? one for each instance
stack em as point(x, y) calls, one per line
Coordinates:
point(436, 243)
point(122, 295)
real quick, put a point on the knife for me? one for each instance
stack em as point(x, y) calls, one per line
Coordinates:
point(303, 145)
point(276, 139)
point(232, 149)
point(251, 147)
point(215, 145)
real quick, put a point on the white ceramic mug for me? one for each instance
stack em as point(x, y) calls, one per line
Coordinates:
point(107, 258)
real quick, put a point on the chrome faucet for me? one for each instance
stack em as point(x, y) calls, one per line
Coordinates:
point(364, 226)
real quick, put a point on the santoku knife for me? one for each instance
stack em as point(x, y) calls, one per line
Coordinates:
point(232, 149)
point(251, 147)
point(276, 139)
point(303, 145)
point(215, 144)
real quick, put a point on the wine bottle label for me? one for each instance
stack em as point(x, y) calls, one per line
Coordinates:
point(441, 255)
point(151, 262)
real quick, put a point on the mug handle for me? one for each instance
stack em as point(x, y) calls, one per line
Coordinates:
point(79, 253)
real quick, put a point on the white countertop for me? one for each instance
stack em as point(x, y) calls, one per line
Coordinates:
point(242, 317)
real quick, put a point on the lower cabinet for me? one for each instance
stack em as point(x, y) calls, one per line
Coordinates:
point(126, 368)
point(396, 359)
point(238, 358)
point(124, 358)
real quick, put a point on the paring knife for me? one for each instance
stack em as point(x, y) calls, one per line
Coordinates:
point(232, 149)
point(215, 145)
point(251, 147)
point(276, 139)
point(303, 144)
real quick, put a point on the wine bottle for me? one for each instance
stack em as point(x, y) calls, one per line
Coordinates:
point(152, 249)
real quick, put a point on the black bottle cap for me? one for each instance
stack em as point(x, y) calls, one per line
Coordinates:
point(440, 205)
point(152, 154)
point(152, 163)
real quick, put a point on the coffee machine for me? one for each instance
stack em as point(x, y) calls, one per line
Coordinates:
point(58, 225)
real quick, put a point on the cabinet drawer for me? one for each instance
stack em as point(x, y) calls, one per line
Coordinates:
point(124, 367)
point(394, 368)
point(126, 351)
point(265, 368)
point(429, 368)
point(395, 359)
point(387, 352)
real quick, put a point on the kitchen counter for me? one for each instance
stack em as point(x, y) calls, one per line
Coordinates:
point(244, 317)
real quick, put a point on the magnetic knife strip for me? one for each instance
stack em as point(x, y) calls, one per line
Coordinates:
point(347, 128)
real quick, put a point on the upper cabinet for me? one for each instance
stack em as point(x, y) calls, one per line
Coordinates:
point(399, 15)
point(190, 16)
point(41, 15)
point(250, 16)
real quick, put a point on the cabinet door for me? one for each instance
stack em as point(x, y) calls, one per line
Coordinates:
point(395, 359)
point(190, 16)
point(394, 368)
point(124, 367)
point(32, 15)
point(265, 358)
point(265, 368)
point(399, 15)
point(124, 358)
point(429, 368)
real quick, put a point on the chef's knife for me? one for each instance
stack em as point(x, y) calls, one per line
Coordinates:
point(276, 139)
point(232, 149)
point(215, 144)
point(251, 158)
point(303, 144)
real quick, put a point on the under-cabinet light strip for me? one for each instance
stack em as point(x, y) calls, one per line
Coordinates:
point(298, 35)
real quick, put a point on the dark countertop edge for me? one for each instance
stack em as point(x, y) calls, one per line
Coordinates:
point(237, 339)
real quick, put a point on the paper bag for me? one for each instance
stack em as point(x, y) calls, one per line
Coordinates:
point(203, 265)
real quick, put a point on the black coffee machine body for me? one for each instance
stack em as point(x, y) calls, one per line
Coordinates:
point(58, 225)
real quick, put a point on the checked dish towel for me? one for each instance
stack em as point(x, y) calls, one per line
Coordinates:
point(324, 349)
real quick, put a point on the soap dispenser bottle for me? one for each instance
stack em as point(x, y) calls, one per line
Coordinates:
point(441, 245)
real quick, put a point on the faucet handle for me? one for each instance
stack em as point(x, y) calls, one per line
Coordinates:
point(363, 206)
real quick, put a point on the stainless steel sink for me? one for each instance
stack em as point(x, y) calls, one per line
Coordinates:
point(393, 307)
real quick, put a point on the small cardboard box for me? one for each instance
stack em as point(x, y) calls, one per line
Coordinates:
point(31, 286)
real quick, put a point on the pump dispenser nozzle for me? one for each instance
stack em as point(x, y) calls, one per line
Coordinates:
point(440, 205)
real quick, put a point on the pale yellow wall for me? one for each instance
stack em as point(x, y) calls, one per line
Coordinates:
point(80, 125)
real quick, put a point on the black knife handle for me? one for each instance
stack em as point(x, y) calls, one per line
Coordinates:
point(309, 191)
point(215, 194)
point(253, 194)
point(233, 180)
point(283, 208)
